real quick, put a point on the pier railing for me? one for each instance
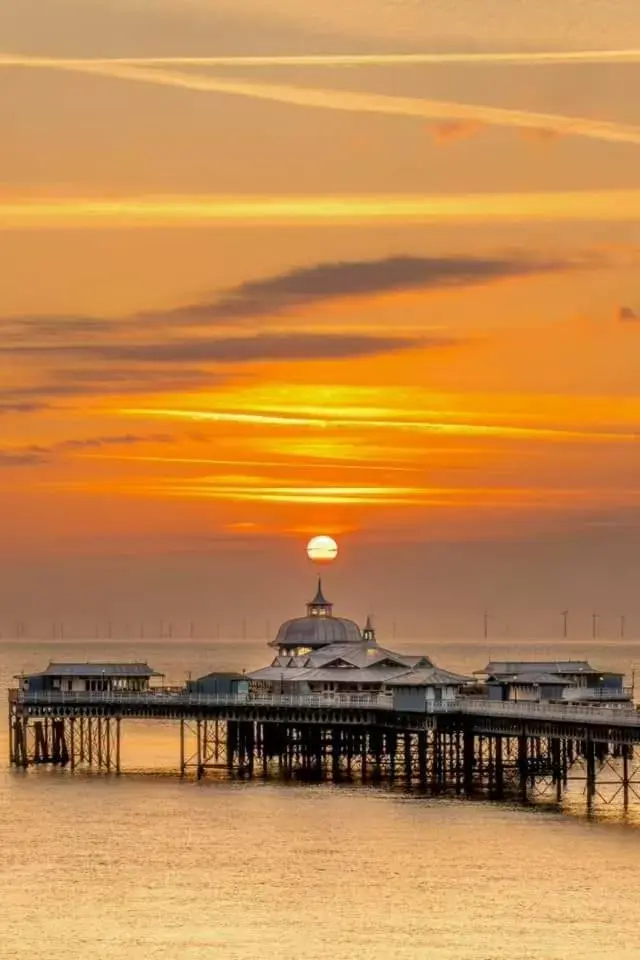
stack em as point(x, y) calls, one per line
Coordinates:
point(616, 714)
point(71, 698)
point(613, 713)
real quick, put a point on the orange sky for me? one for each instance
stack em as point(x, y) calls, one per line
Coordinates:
point(392, 301)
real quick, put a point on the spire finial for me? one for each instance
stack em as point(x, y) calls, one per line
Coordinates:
point(319, 606)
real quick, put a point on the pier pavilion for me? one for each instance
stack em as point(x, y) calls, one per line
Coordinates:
point(93, 677)
point(328, 656)
point(574, 680)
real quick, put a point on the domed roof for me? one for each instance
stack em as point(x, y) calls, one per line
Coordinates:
point(314, 632)
point(319, 628)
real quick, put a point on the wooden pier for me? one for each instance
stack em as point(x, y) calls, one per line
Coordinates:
point(466, 747)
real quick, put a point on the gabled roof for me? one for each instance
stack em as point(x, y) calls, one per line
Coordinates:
point(221, 675)
point(507, 667)
point(96, 669)
point(335, 675)
point(414, 661)
point(538, 678)
point(361, 655)
point(428, 677)
point(339, 663)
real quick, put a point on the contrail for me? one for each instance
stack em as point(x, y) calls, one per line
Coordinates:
point(524, 57)
point(332, 209)
point(419, 426)
point(356, 102)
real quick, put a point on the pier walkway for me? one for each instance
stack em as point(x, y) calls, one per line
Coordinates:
point(157, 701)
point(465, 745)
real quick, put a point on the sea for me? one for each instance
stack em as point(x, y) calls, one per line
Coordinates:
point(146, 866)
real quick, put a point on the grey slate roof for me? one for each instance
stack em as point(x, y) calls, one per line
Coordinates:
point(506, 667)
point(221, 675)
point(317, 632)
point(369, 663)
point(538, 678)
point(335, 675)
point(428, 677)
point(360, 655)
point(94, 669)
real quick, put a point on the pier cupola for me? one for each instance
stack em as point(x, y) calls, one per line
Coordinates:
point(369, 632)
point(302, 635)
point(319, 606)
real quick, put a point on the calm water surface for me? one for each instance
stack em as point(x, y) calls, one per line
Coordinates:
point(146, 867)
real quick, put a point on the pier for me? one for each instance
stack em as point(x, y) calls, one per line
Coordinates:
point(334, 704)
point(465, 747)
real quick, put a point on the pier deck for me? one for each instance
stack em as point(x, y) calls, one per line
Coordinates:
point(467, 746)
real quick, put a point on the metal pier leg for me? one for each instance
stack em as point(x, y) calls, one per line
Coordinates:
point(64, 748)
point(232, 742)
point(625, 775)
point(108, 743)
point(499, 769)
point(25, 741)
point(17, 741)
point(408, 766)
point(335, 753)
point(90, 741)
point(532, 766)
point(12, 754)
point(57, 738)
point(457, 762)
point(491, 765)
point(216, 742)
point(349, 735)
point(206, 742)
point(39, 751)
point(199, 748)
point(591, 770)
point(182, 746)
point(117, 744)
point(280, 742)
point(250, 741)
point(422, 755)
point(392, 749)
point(453, 758)
point(555, 746)
point(72, 742)
point(363, 754)
point(523, 764)
point(468, 758)
point(81, 740)
point(99, 722)
point(264, 740)
point(436, 746)
point(377, 747)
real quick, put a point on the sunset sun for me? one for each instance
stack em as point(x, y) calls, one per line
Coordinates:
point(322, 549)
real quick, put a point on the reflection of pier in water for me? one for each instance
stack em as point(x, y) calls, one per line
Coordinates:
point(466, 747)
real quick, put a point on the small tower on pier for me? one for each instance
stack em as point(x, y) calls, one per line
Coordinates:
point(319, 606)
point(369, 632)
